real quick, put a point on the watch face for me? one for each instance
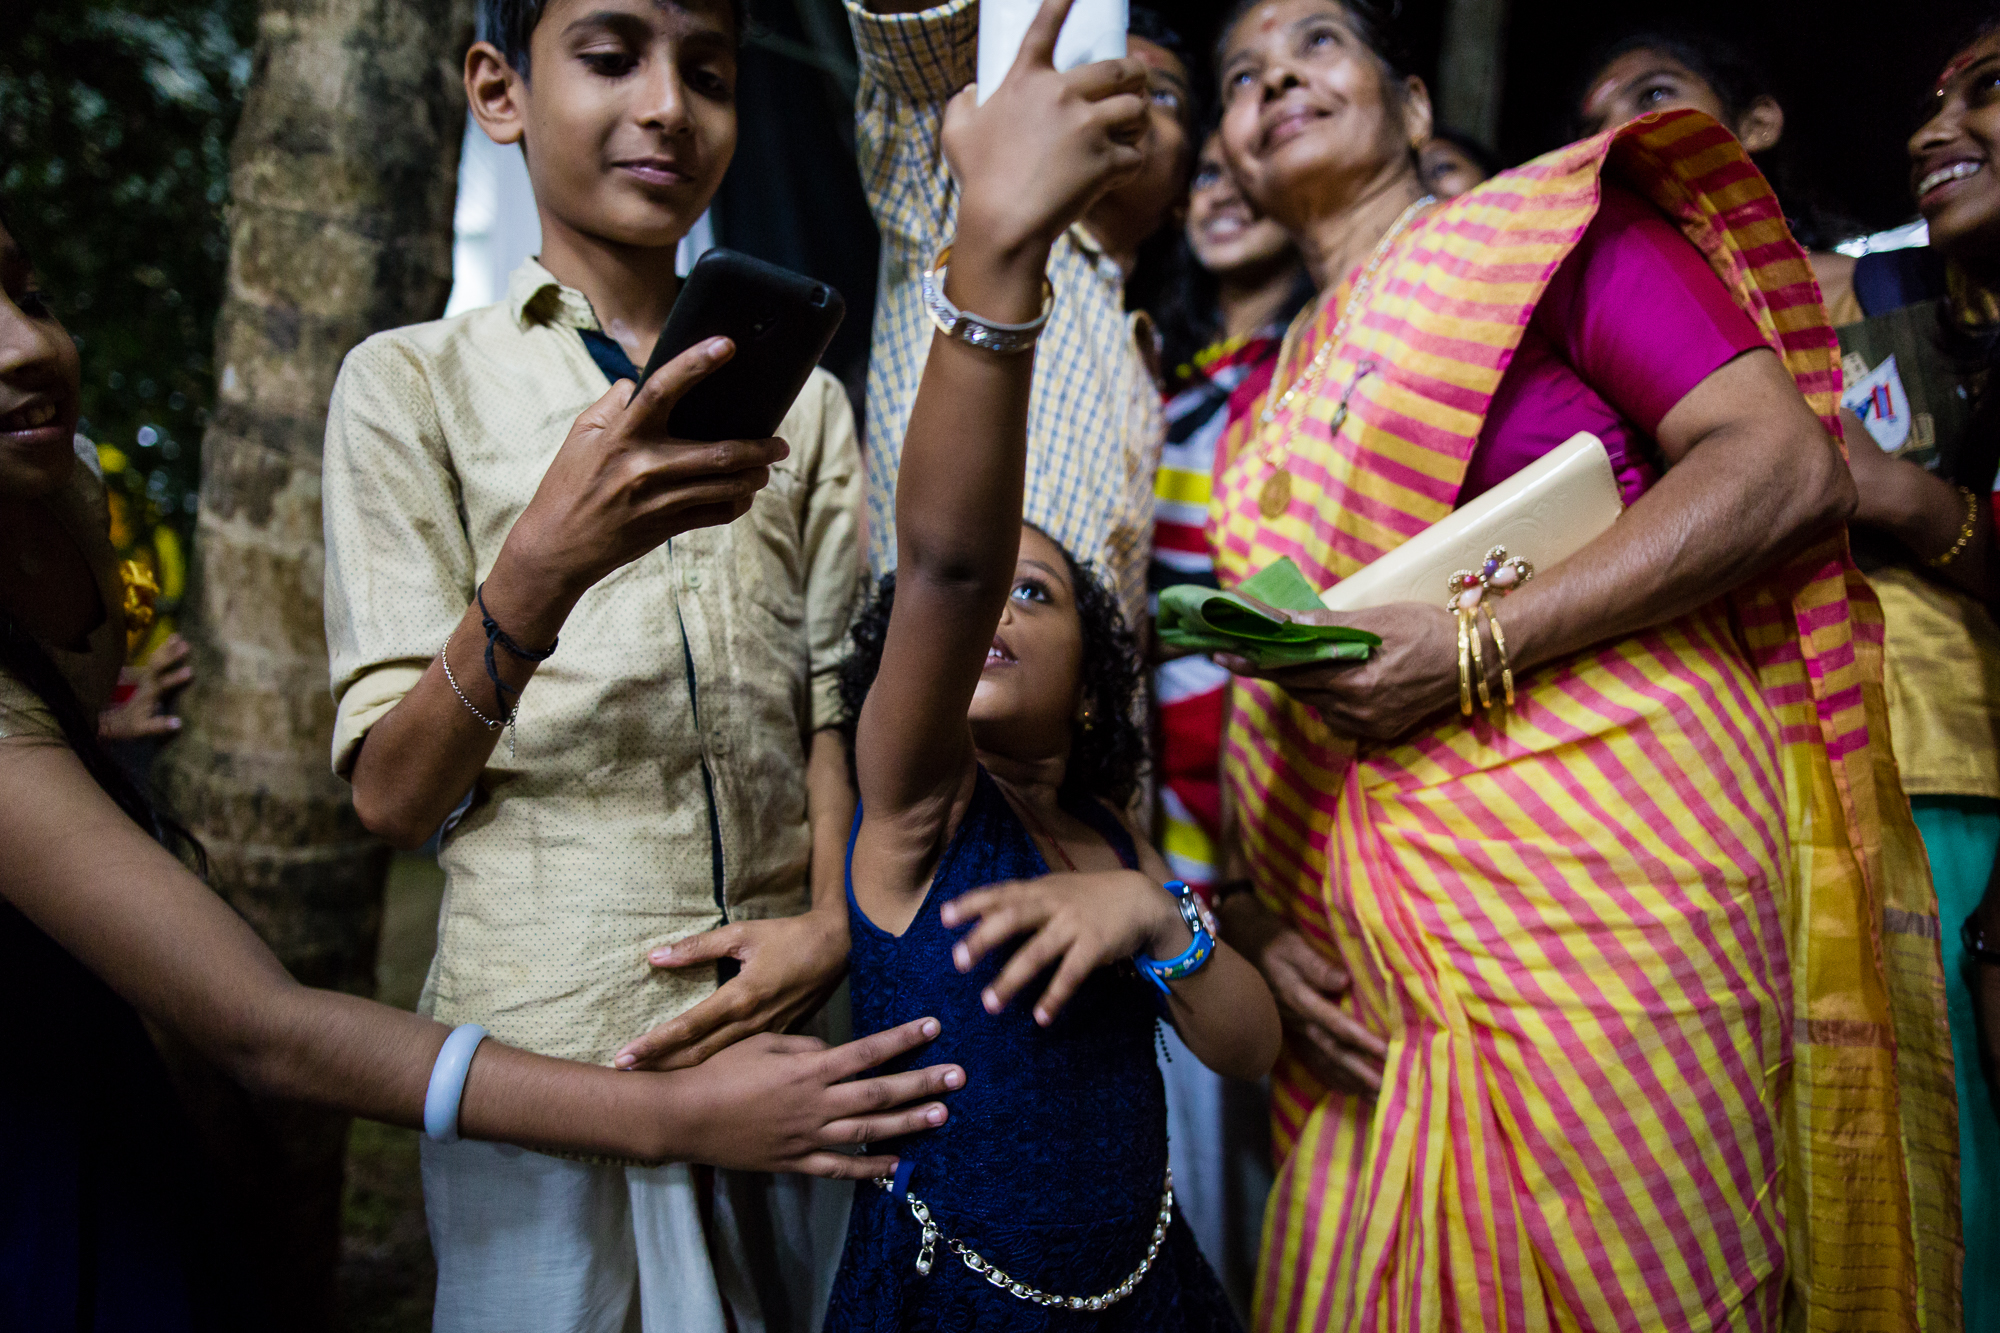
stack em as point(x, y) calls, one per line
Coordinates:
point(1207, 920)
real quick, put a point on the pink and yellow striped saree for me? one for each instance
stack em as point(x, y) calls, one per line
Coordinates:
point(1657, 956)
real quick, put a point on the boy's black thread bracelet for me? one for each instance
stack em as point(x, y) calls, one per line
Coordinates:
point(495, 635)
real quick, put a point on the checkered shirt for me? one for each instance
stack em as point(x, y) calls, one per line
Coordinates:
point(1094, 420)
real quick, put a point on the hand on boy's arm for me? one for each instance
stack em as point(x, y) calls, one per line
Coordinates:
point(620, 485)
point(787, 967)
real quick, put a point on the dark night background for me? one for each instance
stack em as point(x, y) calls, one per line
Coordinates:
point(1853, 79)
point(115, 117)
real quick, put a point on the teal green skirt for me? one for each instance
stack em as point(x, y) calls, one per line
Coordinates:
point(1962, 835)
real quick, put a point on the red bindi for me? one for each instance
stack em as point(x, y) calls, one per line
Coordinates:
point(1951, 71)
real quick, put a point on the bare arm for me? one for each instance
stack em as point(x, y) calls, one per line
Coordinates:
point(958, 529)
point(1924, 512)
point(1041, 148)
point(617, 489)
point(1225, 1013)
point(1753, 477)
point(86, 875)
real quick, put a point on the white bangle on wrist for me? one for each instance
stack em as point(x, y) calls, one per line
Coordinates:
point(976, 330)
point(447, 1087)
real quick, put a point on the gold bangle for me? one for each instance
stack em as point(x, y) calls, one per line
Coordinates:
point(1464, 664)
point(1964, 533)
point(1479, 660)
point(1500, 648)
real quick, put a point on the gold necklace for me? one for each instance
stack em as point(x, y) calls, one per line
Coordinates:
point(1275, 496)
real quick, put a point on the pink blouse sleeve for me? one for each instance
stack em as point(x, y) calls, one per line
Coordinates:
point(1639, 314)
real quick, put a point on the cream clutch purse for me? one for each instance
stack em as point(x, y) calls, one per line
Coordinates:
point(1545, 513)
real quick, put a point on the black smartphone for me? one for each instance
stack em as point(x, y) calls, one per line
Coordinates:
point(781, 323)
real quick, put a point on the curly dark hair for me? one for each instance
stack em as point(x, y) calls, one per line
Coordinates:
point(1105, 760)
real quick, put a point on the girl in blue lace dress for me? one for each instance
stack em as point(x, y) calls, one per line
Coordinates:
point(991, 690)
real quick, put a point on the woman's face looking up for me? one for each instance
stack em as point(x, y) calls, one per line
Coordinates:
point(1951, 158)
point(1646, 80)
point(1310, 114)
point(40, 378)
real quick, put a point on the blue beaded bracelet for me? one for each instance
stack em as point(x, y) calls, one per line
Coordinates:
point(1194, 957)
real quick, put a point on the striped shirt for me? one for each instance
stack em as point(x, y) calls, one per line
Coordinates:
point(1224, 375)
point(1190, 690)
point(1094, 420)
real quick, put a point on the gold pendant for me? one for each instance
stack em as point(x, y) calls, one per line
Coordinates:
point(1276, 495)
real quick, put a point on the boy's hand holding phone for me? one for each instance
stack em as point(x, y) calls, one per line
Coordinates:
point(1044, 146)
point(620, 485)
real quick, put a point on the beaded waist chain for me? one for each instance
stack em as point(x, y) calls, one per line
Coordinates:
point(972, 1259)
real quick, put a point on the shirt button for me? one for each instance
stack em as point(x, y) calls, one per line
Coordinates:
point(718, 740)
point(692, 579)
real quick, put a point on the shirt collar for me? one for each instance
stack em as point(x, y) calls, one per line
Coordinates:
point(535, 297)
point(1093, 254)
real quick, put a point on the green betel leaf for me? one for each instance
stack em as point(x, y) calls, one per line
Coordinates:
point(1281, 584)
point(1200, 619)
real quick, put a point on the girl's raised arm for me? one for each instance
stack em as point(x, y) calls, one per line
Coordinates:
point(1029, 162)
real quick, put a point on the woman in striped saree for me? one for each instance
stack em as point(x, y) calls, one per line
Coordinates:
point(1620, 1007)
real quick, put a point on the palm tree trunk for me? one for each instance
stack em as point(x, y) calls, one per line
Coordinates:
point(343, 177)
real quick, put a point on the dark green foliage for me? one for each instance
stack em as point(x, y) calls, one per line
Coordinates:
point(115, 123)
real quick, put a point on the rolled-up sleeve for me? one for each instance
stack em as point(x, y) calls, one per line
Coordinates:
point(910, 66)
point(832, 535)
point(399, 569)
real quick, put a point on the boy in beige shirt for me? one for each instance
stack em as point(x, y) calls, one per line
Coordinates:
point(666, 778)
